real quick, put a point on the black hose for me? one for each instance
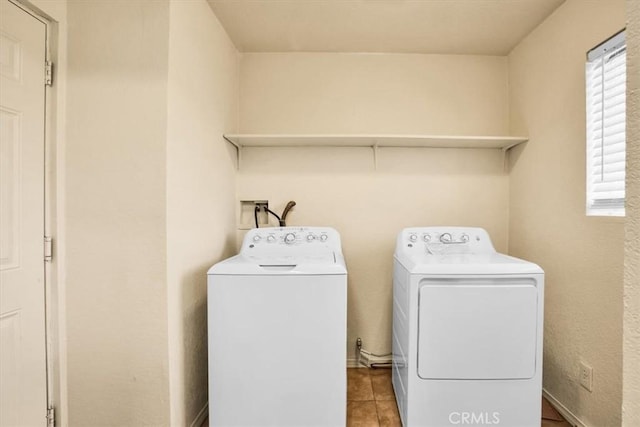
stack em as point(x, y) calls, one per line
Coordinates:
point(255, 215)
point(273, 213)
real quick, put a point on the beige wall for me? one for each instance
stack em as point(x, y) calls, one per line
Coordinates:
point(373, 93)
point(116, 220)
point(631, 389)
point(351, 93)
point(582, 256)
point(150, 197)
point(202, 105)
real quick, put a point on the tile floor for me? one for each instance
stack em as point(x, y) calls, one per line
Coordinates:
point(370, 399)
point(551, 417)
point(371, 402)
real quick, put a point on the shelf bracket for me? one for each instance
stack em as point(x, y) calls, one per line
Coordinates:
point(505, 159)
point(375, 155)
point(238, 149)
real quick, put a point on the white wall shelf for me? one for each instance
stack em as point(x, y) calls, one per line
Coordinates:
point(358, 140)
point(373, 141)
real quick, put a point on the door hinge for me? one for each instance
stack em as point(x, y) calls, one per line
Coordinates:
point(51, 416)
point(48, 73)
point(48, 248)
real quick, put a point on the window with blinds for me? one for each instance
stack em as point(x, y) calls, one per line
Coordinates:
point(606, 117)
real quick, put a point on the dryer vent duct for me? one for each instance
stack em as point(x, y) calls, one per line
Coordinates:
point(371, 360)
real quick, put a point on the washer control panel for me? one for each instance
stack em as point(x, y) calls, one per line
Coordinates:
point(444, 240)
point(279, 239)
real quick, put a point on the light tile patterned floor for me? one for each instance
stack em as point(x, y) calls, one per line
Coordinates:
point(370, 399)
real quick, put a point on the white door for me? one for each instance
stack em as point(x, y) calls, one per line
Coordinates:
point(23, 386)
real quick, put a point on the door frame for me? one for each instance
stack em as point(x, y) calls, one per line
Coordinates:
point(55, 321)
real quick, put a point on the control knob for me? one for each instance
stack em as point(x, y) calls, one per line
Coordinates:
point(426, 237)
point(413, 237)
point(311, 237)
point(324, 237)
point(464, 238)
point(271, 239)
point(445, 237)
point(256, 238)
point(289, 238)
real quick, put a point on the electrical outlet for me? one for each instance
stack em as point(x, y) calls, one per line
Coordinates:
point(586, 376)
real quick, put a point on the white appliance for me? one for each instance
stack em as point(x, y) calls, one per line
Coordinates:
point(277, 316)
point(467, 331)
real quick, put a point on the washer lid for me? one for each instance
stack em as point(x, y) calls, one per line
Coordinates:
point(304, 264)
point(453, 264)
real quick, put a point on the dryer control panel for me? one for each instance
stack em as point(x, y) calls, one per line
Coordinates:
point(444, 241)
point(291, 239)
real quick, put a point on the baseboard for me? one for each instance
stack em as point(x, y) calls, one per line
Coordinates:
point(353, 363)
point(202, 415)
point(564, 411)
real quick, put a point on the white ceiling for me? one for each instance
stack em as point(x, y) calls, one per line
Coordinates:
point(482, 27)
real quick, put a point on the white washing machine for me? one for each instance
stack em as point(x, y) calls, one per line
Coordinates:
point(277, 316)
point(467, 331)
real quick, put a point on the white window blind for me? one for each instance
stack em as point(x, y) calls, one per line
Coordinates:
point(606, 117)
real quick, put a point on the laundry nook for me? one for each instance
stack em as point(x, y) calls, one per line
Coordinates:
point(320, 213)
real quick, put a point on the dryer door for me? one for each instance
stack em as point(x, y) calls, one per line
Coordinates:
point(471, 329)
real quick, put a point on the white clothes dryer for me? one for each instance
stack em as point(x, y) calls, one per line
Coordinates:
point(277, 316)
point(467, 331)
